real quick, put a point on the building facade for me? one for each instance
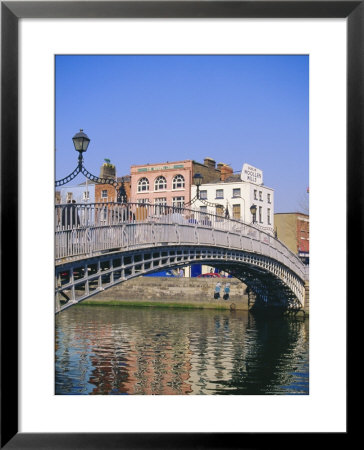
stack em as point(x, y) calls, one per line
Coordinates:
point(293, 229)
point(82, 193)
point(236, 194)
point(108, 193)
point(169, 183)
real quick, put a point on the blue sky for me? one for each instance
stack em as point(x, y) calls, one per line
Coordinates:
point(151, 109)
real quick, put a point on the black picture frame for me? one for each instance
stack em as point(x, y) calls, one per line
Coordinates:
point(11, 12)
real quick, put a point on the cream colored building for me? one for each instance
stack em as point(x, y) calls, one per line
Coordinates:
point(237, 195)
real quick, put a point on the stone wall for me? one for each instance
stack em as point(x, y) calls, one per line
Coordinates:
point(176, 290)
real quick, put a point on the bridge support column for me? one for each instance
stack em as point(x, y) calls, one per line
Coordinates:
point(58, 303)
point(307, 296)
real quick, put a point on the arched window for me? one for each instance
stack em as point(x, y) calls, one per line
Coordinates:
point(178, 182)
point(160, 183)
point(143, 185)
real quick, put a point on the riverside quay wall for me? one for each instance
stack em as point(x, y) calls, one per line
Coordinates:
point(174, 291)
point(178, 292)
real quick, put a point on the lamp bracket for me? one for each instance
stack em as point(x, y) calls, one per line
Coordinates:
point(69, 177)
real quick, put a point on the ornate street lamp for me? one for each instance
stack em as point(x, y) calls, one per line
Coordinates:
point(81, 142)
point(253, 210)
point(197, 178)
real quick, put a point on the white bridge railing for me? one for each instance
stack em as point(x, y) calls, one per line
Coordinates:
point(84, 230)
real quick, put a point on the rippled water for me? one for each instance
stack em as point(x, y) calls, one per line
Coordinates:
point(126, 350)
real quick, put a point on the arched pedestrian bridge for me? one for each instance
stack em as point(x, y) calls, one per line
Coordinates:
point(99, 245)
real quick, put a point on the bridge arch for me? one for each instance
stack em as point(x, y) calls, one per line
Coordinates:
point(97, 256)
point(83, 278)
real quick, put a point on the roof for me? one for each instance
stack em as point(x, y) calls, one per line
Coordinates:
point(124, 178)
point(232, 178)
point(292, 213)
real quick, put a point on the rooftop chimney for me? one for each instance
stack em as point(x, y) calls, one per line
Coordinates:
point(225, 171)
point(108, 171)
point(209, 162)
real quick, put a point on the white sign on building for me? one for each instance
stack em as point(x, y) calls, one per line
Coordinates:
point(251, 174)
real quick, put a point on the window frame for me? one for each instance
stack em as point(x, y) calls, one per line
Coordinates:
point(157, 184)
point(174, 182)
point(219, 198)
point(202, 194)
point(141, 183)
point(174, 200)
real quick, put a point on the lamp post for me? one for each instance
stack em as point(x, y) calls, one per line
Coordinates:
point(253, 210)
point(197, 178)
point(81, 142)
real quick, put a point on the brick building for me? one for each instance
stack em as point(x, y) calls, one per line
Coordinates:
point(107, 192)
point(293, 229)
point(170, 183)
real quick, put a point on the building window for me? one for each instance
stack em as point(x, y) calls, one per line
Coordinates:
point(161, 204)
point(236, 211)
point(219, 193)
point(260, 215)
point(160, 201)
point(268, 198)
point(268, 216)
point(260, 196)
point(236, 193)
point(86, 195)
point(143, 201)
point(178, 182)
point(178, 202)
point(143, 185)
point(203, 195)
point(255, 194)
point(104, 193)
point(69, 196)
point(219, 210)
point(160, 184)
point(203, 209)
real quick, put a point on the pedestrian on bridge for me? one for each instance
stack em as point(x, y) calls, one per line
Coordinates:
point(70, 218)
point(217, 291)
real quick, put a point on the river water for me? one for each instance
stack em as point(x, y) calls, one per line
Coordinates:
point(129, 350)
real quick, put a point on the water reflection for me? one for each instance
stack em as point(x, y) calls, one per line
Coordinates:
point(110, 350)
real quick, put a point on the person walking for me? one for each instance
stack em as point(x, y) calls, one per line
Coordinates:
point(75, 216)
point(217, 291)
point(67, 216)
point(226, 291)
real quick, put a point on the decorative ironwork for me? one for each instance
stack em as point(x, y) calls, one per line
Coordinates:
point(81, 141)
point(207, 203)
point(197, 178)
point(69, 177)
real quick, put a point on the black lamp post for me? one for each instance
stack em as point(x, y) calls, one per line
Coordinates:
point(253, 210)
point(81, 142)
point(197, 178)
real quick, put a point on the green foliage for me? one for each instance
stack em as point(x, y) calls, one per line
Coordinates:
point(107, 163)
